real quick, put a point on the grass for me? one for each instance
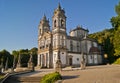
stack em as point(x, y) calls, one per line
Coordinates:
point(51, 78)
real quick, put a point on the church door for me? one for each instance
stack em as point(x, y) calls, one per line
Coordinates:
point(70, 61)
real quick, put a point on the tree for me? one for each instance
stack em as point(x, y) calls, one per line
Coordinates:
point(117, 42)
point(25, 55)
point(115, 21)
point(4, 54)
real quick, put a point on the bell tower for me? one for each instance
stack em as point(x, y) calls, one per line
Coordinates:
point(59, 35)
point(43, 26)
point(59, 19)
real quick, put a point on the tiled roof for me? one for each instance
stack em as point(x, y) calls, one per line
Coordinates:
point(94, 50)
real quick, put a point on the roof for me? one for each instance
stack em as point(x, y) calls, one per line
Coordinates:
point(73, 38)
point(94, 50)
point(90, 39)
point(79, 28)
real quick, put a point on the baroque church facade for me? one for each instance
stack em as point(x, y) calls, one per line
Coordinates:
point(56, 44)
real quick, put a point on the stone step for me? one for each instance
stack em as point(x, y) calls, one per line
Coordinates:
point(30, 79)
point(16, 79)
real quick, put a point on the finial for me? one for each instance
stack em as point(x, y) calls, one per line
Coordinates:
point(44, 17)
point(59, 7)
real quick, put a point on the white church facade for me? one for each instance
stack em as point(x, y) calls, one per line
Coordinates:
point(70, 47)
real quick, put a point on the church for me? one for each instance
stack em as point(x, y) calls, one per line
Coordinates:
point(54, 43)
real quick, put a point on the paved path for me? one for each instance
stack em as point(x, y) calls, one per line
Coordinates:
point(92, 74)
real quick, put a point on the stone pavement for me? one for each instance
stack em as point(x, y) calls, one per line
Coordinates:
point(92, 74)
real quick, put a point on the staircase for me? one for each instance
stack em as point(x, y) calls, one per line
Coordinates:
point(16, 79)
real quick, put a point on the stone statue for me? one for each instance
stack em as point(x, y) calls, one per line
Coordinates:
point(6, 65)
point(58, 64)
point(1, 67)
point(19, 61)
point(83, 64)
point(30, 63)
point(13, 65)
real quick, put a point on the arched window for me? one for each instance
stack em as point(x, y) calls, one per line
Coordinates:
point(77, 47)
point(40, 31)
point(71, 45)
point(62, 22)
point(55, 23)
point(62, 40)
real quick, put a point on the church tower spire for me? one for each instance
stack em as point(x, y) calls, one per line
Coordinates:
point(59, 6)
point(44, 25)
point(59, 19)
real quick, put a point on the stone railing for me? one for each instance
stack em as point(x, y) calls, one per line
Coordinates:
point(14, 73)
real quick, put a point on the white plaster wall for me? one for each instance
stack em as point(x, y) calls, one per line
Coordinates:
point(89, 45)
point(54, 56)
point(99, 59)
point(63, 57)
point(83, 46)
point(94, 44)
point(74, 46)
point(68, 44)
point(90, 59)
point(74, 58)
point(95, 59)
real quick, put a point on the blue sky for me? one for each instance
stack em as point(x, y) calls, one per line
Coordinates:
point(19, 19)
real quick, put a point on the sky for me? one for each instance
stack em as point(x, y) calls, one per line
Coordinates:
point(19, 19)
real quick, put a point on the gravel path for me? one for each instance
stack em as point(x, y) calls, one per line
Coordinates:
point(93, 74)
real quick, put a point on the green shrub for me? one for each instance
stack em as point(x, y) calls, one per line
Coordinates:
point(1, 77)
point(51, 78)
point(117, 61)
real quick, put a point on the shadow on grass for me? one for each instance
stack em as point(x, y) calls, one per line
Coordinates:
point(69, 77)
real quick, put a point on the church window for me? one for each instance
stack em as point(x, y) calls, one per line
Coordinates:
point(55, 57)
point(62, 40)
point(77, 47)
point(55, 23)
point(46, 46)
point(77, 59)
point(62, 23)
point(71, 46)
point(40, 31)
point(91, 57)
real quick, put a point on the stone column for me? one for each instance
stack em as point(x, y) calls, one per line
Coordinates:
point(41, 60)
point(45, 59)
point(38, 60)
point(48, 61)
